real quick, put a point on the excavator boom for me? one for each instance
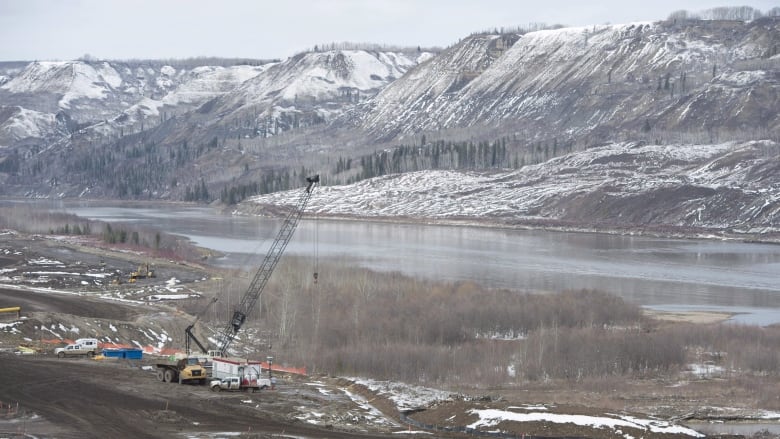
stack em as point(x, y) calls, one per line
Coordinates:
point(255, 290)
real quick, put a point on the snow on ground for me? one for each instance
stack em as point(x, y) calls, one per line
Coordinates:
point(706, 370)
point(770, 415)
point(171, 285)
point(45, 261)
point(207, 82)
point(215, 435)
point(406, 397)
point(624, 169)
point(38, 290)
point(160, 339)
point(60, 273)
point(72, 79)
point(371, 414)
point(492, 417)
point(28, 123)
point(11, 327)
point(158, 297)
point(364, 414)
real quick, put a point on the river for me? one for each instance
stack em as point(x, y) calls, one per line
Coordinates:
point(670, 274)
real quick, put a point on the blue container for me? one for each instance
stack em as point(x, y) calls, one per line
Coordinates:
point(126, 353)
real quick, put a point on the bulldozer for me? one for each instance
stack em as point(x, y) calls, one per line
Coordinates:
point(143, 272)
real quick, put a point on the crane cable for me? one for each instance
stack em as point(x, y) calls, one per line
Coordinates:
point(316, 251)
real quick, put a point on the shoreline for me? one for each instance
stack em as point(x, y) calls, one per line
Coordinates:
point(662, 231)
point(547, 225)
point(692, 316)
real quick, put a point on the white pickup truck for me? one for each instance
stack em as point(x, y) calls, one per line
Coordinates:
point(236, 383)
point(82, 346)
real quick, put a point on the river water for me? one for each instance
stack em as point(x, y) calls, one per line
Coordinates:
point(671, 274)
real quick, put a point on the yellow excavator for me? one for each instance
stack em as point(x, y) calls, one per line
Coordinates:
point(143, 272)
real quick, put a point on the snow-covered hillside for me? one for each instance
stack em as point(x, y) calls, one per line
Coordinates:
point(106, 99)
point(312, 87)
point(114, 96)
point(571, 82)
point(17, 123)
point(730, 186)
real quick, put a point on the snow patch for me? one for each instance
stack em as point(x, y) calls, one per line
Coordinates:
point(493, 417)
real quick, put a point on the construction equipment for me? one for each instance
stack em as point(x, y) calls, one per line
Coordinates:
point(186, 370)
point(143, 272)
point(190, 369)
point(252, 294)
point(16, 309)
point(226, 336)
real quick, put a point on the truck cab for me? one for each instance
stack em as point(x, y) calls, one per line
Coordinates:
point(229, 383)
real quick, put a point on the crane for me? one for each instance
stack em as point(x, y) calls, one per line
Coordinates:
point(189, 369)
point(228, 333)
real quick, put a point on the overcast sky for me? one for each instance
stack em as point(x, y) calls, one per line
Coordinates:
point(125, 29)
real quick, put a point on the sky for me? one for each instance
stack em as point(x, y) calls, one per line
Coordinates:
point(154, 29)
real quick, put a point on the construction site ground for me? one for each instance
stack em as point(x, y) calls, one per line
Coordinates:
point(46, 397)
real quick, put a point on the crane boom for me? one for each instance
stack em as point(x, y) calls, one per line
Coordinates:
point(255, 290)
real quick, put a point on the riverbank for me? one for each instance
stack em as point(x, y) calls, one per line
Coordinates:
point(529, 223)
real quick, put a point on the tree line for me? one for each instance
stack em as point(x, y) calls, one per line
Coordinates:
point(33, 219)
point(503, 153)
point(183, 63)
point(351, 321)
point(739, 13)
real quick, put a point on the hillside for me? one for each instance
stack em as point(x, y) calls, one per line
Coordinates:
point(107, 98)
point(729, 188)
point(596, 83)
point(530, 105)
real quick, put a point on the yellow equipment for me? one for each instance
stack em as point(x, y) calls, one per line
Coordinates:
point(16, 309)
point(143, 272)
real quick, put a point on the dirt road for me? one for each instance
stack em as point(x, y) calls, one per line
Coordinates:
point(77, 306)
point(80, 398)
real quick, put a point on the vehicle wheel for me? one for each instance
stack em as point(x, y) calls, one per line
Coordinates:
point(169, 376)
point(91, 354)
point(161, 375)
point(216, 388)
point(61, 355)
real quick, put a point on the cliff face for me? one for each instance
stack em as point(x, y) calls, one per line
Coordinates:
point(574, 82)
